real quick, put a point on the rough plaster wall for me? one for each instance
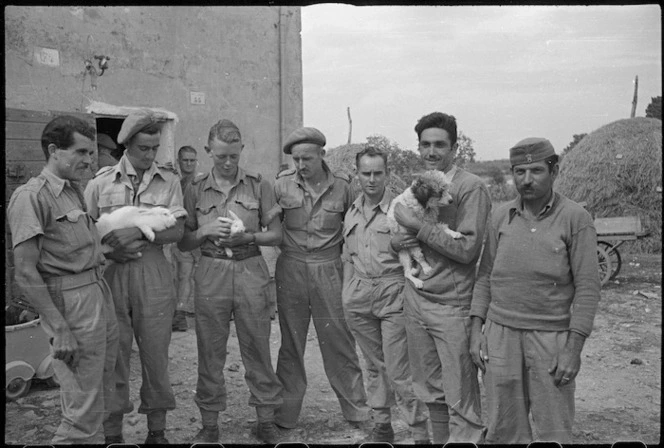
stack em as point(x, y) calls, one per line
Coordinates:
point(158, 56)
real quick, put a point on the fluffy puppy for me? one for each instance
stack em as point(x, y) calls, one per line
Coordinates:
point(237, 226)
point(149, 220)
point(428, 191)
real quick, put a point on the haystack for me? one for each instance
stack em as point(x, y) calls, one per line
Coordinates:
point(617, 171)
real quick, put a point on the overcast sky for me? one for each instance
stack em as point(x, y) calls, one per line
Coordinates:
point(504, 72)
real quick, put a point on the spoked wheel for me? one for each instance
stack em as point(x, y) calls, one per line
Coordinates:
point(52, 382)
point(614, 255)
point(605, 268)
point(17, 388)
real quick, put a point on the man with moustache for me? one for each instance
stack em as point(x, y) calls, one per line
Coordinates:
point(309, 279)
point(437, 316)
point(536, 296)
point(59, 261)
point(373, 302)
point(140, 276)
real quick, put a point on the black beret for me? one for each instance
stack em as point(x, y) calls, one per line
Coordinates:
point(304, 135)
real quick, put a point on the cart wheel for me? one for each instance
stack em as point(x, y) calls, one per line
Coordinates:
point(605, 267)
point(17, 388)
point(51, 382)
point(614, 255)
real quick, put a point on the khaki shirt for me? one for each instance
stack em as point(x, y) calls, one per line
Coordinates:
point(367, 239)
point(49, 208)
point(112, 188)
point(249, 198)
point(311, 226)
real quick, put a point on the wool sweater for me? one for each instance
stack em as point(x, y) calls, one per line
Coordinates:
point(454, 260)
point(541, 273)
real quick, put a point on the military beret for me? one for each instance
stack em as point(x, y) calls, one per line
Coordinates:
point(304, 135)
point(135, 123)
point(106, 141)
point(531, 150)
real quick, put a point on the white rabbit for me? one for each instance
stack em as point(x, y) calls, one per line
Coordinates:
point(149, 220)
point(237, 226)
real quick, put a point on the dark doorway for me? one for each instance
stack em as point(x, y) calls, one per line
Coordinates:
point(111, 127)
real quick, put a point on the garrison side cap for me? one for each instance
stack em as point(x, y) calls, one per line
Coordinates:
point(530, 150)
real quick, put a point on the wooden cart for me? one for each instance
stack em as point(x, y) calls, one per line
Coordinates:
point(611, 234)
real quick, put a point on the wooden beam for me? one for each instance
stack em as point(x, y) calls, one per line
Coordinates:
point(636, 94)
point(350, 125)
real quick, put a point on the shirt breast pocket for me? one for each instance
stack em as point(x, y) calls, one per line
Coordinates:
point(150, 200)
point(111, 201)
point(72, 229)
point(248, 211)
point(332, 215)
point(206, 214)
point(295, 217)
point(350, 235)
point(383, 239)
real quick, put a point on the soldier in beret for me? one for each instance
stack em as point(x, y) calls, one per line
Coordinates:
point(309, 279)
point(232, 284)
point(540, 258)
point(139, 274)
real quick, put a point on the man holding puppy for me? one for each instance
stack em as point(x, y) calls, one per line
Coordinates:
point(373, 302)
point(437, 316)
point(536, 295)
point(139, 275)
point(59, 262)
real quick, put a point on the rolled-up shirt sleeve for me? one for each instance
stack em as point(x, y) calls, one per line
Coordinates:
point(175, 204)
point(23, 216)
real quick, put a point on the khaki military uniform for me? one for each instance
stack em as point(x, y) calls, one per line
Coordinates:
point(309, 282)
point(142, 288)
point(373, 305)
point(51, 209)
point(234, 286)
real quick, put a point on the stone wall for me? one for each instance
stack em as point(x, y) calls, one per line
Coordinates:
point(246, 61)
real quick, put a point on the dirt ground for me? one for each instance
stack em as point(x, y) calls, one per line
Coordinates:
point(618, 394)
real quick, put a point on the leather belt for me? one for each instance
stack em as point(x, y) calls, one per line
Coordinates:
point(239, 252)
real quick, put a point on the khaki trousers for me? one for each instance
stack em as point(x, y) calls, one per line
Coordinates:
point(374, 312)
point(144, 299)
point(517, 383)
point(88, 310)
point(309, 290)
point(238, 288)
point(443, 371)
